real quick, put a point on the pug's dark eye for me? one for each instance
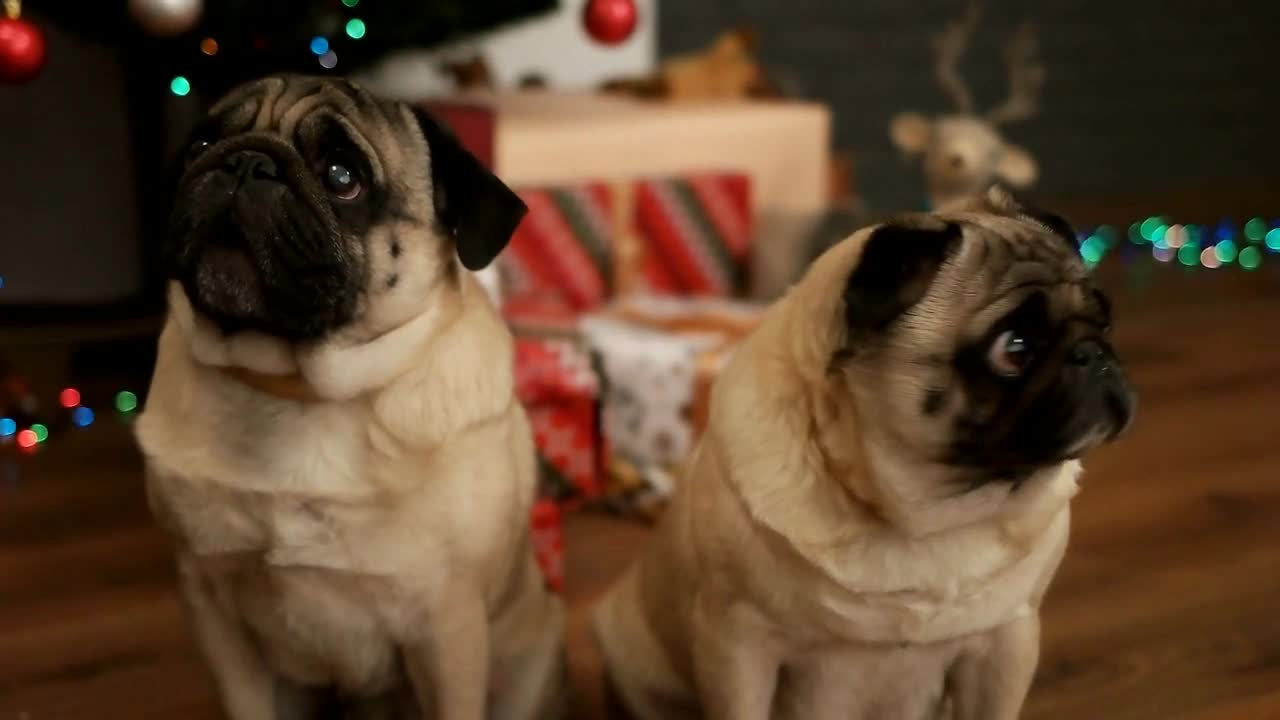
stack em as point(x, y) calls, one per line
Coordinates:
point(342, 182)
point(956, 161)
point(196, 149)
point(1009, 354)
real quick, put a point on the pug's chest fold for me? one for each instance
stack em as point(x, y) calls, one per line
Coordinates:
point(919, 592)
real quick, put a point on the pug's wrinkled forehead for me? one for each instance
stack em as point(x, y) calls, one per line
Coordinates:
point(281, 102)
point(1017, 241)
point(309, 111)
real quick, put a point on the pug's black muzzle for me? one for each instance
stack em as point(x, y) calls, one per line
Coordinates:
point(1112, 400)
point(256, 244)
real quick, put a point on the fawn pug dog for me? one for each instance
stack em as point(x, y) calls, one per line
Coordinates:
point(868, 526)
point(331, 435)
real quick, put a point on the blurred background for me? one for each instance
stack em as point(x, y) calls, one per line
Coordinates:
point(683, 161)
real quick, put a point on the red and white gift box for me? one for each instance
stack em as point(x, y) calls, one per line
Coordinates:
point(559, 390)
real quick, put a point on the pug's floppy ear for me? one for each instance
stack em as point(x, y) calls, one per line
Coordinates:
point(911, 132)
point(896, 268)
point(473, 205)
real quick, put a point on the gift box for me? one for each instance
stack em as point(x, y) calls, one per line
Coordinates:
point(658, 358)
point(581, 245)
point(693, 234)
point(547, 528)
point(557, 385)
point(473, 124)
point(548, 139)
point(563, 249)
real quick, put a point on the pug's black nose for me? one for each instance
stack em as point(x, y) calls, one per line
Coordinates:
point(1089, 352)
point(248, 164)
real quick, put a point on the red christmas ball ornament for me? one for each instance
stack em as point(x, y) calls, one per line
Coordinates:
point(22, 48)
point(610, 22)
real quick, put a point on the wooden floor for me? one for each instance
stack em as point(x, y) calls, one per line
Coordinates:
point(1168, 605)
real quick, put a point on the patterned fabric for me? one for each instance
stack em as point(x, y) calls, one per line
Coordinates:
point(558, 387)
point(696, 234)
point(548, 542)
point(562, 248)
point(658, 357)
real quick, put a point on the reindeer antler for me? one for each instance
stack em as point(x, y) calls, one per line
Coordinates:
point(949, 46)
point(1026, 77)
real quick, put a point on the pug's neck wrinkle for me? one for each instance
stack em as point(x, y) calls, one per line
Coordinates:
point(336, 369)
point(328, 367)
point(211, 347)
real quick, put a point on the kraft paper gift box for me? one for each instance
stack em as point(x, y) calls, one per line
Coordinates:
point(548, 138)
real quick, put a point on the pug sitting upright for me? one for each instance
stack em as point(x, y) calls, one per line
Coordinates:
point(331, 434)
point(872, 517)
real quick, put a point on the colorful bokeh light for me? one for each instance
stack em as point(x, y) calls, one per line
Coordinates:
point(41, 431)
point(1255, 229)
point(1093, 248)
point(126, 401)
point(69, 397)
point(355, 28)
point(82, 416)
point(1226, 251)
point(1250, 258)
point(319, 45)
point(180, 86)
point(1148, 227)
point(1209, 259)
point(209, 46)
point(1189, 255)
point(8, 426)
point(27, 439)
point(1273, 239)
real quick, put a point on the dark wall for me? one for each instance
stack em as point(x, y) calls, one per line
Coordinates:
point(1142, 95)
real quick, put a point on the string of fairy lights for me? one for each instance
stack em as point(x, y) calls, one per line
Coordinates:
point(27, 430)
point(320, 46)
point(1211, 246)
point(1214, 246)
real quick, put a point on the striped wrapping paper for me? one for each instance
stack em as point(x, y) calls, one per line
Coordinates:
point(695, 234)
point(562, 251)
point(581, 245)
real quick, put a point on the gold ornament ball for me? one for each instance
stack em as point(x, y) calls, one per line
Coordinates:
point(166, 18)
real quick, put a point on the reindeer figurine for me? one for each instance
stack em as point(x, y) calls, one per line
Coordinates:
point(963, 153)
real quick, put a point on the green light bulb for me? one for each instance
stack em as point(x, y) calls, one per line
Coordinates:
point(1250, 258)
point(1255, 229)
point(126, 401)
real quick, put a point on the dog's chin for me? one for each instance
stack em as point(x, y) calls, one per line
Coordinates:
point(226, 284)
point(1015, 465)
